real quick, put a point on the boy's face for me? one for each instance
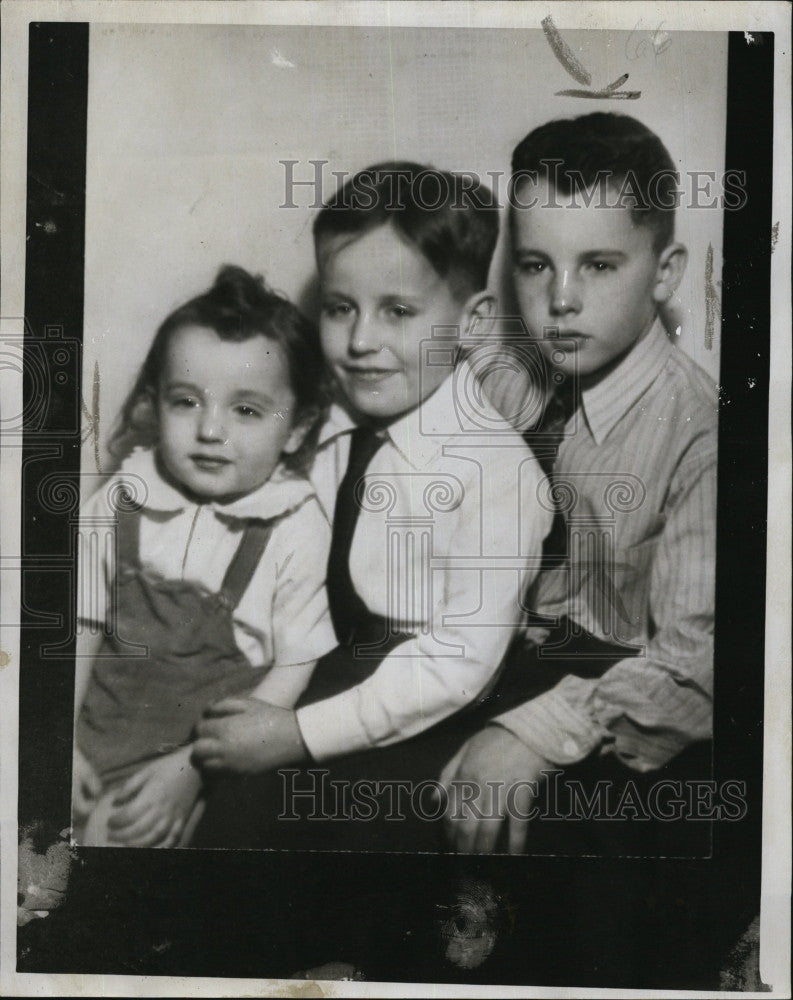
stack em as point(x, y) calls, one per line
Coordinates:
point(225, 412)
point(588, 271)
point(380, 300)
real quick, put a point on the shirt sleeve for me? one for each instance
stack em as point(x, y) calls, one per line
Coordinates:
point(302, 629)
point(647, 709)
point(474, 613)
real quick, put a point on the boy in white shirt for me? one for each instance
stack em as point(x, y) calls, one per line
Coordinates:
point(437, 526)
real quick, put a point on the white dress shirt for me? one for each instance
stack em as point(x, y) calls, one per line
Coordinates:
point(449, 538)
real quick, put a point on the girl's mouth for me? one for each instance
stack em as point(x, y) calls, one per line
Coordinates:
point(209, 463)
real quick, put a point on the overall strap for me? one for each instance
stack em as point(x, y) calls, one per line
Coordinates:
point(129, 537)
point(243, 565)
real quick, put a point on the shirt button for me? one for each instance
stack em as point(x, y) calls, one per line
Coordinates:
point(570, 748)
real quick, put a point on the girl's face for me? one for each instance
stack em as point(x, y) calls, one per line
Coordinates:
point(226, 413)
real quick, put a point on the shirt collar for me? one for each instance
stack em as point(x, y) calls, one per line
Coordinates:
point(420, 434)
point(281, 493)
point(607, 402)
point(337, 422)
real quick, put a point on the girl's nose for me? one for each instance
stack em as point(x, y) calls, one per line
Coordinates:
point(565, 294)
point(211, 426)
point(365, 337)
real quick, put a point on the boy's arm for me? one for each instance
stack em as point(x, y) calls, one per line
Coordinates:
point(649, 708)
point(425, 679)
point(284, 685)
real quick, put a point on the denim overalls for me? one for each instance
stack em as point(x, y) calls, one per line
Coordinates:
point(139, 707)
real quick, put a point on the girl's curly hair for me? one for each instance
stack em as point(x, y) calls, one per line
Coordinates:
point(238, 307)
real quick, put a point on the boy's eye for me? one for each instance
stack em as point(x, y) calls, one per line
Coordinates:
point(530, 266)
point(183, 402)
point(400, 312)
point(336, 310)
point(601, 266)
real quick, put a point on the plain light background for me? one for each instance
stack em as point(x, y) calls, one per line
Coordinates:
point(187, 125)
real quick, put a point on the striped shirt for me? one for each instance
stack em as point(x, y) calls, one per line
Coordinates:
point(636, 475)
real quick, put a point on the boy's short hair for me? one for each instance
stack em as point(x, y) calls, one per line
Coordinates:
point(451, 219)
point(577, 153)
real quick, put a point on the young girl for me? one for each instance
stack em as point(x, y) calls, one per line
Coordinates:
point(216, 587)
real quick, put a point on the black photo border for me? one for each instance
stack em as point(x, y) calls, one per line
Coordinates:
point(595, 922)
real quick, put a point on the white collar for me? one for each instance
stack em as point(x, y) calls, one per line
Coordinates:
point(281, 493)
point(420, 434)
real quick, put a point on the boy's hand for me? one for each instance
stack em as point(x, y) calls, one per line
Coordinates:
point(532, 635)
point(152, 807)
point(248, 736)
point(477, 809)
point(86, 786)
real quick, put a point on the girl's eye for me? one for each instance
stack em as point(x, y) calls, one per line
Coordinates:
point(248, 411)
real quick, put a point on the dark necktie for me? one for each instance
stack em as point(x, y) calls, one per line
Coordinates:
point(346, 607)
point(545, 440)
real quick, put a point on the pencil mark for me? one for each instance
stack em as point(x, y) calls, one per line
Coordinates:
point(711, 300)
point(564, 53)
point(608, 92)
point(659, 41)
point(5, 658)
point(579, 73)
point(774, 236)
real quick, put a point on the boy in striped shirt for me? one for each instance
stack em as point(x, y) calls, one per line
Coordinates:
point(620, 639)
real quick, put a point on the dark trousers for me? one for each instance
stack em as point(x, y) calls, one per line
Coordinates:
point(384, 799)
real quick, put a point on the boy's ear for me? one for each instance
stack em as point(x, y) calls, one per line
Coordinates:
point(479, 314)
point(300, 430)
point(671, 268)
